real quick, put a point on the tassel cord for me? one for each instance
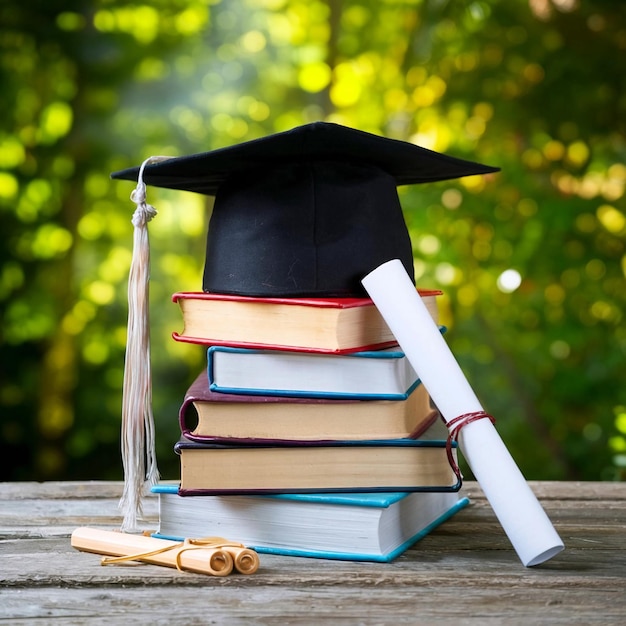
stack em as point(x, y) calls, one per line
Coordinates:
point(138, 432)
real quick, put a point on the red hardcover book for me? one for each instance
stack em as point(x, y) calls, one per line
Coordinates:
point(340, 325)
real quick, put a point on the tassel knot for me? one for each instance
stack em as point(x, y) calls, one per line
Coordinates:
point(138, 194)
point(143, 214)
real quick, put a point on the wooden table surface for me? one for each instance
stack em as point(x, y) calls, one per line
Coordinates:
point(465, 572)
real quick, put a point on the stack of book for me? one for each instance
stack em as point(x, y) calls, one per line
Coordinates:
point(308, 433)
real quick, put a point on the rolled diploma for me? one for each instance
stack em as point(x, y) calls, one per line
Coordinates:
point(113, 543)
point(515, 505)
point(246, 561)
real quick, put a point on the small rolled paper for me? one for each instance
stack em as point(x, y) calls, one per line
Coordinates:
point(245, 560)
point(518, 510)
point(214, 556)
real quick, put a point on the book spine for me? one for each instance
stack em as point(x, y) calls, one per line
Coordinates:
point(314, 395)
point(184, 491)
point(201, 341)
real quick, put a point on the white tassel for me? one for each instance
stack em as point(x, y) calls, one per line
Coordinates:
point(137, 438)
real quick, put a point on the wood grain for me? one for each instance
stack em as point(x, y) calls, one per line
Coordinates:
point(465, 572)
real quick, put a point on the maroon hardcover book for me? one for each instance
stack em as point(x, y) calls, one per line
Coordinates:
point(209, 416)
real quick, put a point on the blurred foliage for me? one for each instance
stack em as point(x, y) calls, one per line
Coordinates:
point(532, 260)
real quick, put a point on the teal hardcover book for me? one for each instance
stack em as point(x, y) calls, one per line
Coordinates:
point(346, 526)
point(254, 468)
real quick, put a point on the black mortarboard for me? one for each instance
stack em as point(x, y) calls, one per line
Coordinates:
point(306, 212)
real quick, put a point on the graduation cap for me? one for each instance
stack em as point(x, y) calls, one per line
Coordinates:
point(306, 212)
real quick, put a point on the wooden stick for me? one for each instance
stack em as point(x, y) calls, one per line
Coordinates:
point(204, 556)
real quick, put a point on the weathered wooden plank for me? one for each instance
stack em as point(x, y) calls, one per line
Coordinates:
point(464, 572)
point(25, 563)
point(63, 489)
point(354, 605)
point(563, 491)
point(41, 517)
point(548, 490)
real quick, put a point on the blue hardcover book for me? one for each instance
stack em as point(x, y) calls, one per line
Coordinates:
point(346, 526)
point(370, 375)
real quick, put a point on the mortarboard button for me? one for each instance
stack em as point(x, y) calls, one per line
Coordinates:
point(306, 212)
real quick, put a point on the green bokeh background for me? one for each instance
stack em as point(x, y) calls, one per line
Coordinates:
point(532, 260)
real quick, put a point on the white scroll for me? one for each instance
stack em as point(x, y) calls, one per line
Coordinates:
point(515, 505)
